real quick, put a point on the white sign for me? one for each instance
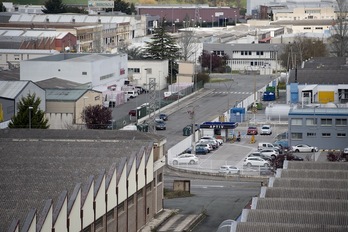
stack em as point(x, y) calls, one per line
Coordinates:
point(218, 14)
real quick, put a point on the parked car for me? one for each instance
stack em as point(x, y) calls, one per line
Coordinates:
point(220, 141)
point(264, 145)
point(252, 130)
point(258, 154)
point(345, 151)
point(304, 148)
point(284, 144)
point(163, 116)
point(214, 143)
point(198, 150)
point(228, 169)
point(132, 113)
point(266, 130)
point(255, 161)
point(174, 96)
point(205, 145)
point(270, 153)
point(185, 159)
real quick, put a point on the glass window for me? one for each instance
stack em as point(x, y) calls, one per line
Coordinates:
point(341, 122)
point(296, 136)
point(326, 122)
point(311, 121)
point(311, 134)
point(296, 122)
point(341, 135)
point(326, 134)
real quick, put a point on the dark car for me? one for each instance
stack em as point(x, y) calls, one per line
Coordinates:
point(132, 113)
point(160, 124)
point(198, 150)
point(163, 116)
point(252, 130)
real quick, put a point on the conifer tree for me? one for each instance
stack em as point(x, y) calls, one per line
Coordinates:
point(54, 7)
point(28, 110)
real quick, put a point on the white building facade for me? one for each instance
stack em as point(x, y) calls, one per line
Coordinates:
point(93, 69)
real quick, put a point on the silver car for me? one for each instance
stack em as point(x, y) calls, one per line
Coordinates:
point(255, 161)
point(228, 169)
point(185, 159)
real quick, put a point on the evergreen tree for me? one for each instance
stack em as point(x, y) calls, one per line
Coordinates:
point(54, 7)
point(163, 46)
point(97, 117)
point(124, 7)
point(34, 114)
point(2, 8)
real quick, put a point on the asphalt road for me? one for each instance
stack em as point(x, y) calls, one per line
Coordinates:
point(217, 198)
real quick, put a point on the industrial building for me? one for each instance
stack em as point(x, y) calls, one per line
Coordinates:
point(98, 180)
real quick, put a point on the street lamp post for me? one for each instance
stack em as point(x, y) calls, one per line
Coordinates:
point(30, 109)
point(211, 62)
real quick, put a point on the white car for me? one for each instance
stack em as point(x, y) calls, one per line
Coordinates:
point(266, 130)
point(345, 151)
point(255, 161)
point(228, 169)
point(185, 159)
point(212, 137)
point(269, 153)
point(304, 148)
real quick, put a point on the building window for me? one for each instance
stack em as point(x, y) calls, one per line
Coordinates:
point(242, 53)
point(99, 223)
point(120, 208)
point(159, 178)
point(249, 53)
point(148, 187)
point(311, 135)
point(341, 135)
point(307, 28)
point(341, 122)
point(296, 122)
point(140, 193)
point(16, 57)
point(148, 70)
point(134, 70)
point(130, 200)
point(326, 134)
point(311, 121)
point(110, 215)
point(296, 136)
point(84, 73)
point(326, 122)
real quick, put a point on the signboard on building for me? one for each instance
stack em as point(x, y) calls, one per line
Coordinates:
point(101, 4)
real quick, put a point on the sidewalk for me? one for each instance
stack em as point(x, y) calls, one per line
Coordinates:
point(168, 220)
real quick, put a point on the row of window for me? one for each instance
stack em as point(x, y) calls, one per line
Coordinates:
point(299, 136)
point(310, 28)
point(323, 121)
point(137, 70)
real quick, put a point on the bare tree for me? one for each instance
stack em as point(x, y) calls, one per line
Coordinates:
point(188, 44)
point(339, 38)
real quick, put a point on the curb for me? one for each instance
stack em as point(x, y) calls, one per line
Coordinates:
point(194, 222)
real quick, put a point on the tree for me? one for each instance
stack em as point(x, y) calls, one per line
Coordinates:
point(96, 117)
point(54, 7)
point(188, 44)
point(134, 53)
point(163, 47)
point(213, 62)
point(302, 49)
point(124, 7)
point(34, 114)
point(2, 7)
point(339, 39)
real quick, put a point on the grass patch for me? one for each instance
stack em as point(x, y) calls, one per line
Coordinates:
point(170, 194)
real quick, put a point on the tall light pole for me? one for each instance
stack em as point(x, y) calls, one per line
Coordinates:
point(30, 109)
point(212, 21)
point(211, 62)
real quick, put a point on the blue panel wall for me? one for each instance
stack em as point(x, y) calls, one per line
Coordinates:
point(294, 93)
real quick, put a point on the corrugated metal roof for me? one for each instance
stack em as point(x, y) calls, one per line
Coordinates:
point(64, 94)
point(10, 89)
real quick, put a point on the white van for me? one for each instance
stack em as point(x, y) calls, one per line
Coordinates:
point(131, 94)
point(262, 146)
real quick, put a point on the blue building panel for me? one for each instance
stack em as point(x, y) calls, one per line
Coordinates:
point(294, 93)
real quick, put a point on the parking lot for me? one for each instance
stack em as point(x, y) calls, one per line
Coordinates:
point(234, 153)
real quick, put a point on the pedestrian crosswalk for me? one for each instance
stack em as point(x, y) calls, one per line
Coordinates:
point(226, 92)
